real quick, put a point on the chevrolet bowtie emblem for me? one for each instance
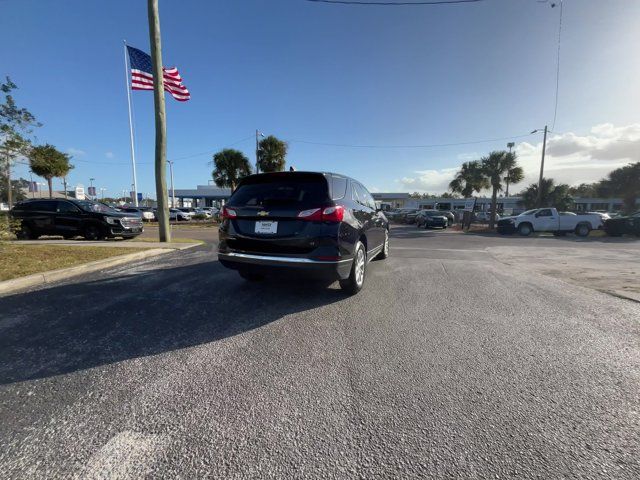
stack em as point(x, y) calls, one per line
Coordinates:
point(263, 213)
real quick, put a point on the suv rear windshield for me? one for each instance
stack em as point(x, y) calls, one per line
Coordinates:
point(289, 190)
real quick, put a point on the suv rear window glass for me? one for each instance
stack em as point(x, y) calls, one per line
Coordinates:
point(339, 187)
point(290, 190)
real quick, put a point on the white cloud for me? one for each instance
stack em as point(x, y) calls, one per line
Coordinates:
point(570, 158)
point(76, 152)
point(433, 181)
point(466, 157)
point(109, 154)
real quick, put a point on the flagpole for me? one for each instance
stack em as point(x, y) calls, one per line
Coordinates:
point(133, 151)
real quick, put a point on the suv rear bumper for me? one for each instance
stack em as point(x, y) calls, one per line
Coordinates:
point(326, 269)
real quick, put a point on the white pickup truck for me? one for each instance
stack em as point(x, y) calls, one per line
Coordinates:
point(550, 220)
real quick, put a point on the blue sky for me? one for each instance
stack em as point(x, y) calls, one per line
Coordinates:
point(333, 74)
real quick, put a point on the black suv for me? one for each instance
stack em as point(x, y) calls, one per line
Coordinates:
point(71, 218)
point(317, 224)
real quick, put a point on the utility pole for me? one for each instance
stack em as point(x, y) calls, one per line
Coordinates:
point(258, 134)
point(9, 199)
point(544, 147)
point(173, 192)
point(161, 125)
point(510, 145)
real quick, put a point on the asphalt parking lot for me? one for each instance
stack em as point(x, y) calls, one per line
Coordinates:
point(455, 361)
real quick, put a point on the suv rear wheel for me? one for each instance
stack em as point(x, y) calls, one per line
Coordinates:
point(354, 283)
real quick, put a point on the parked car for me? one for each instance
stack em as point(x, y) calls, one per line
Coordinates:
point(484, 216)
point(431, 219)
point(604, 215)
point(178, 215)
point(621, 225)
point(451, 218)
point(145, 214)
point(71, 218)
point(302, 223)
point(188, 211)
point(410, 217)
point(550, 220)
point(201, 211)
point(406, 215)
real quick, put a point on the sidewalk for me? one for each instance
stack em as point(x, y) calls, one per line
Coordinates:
point(107, 243)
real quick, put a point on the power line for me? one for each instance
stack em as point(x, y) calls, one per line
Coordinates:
point(432, 145)
point(208, 152)
point(555, 108)
point(394, 4)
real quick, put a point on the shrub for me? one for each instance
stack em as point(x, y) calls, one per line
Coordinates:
point(199, 216)
point(8, 227)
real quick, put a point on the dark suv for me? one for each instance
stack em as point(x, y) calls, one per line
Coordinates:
point(316, 224)
point(71, 218)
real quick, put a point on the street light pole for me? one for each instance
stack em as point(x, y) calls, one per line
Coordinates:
point(91, 188)
point(258, 134)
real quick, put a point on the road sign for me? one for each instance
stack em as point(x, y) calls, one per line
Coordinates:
point(80, 192)
point(469, 204)
point(139, 197)
point(92, 191)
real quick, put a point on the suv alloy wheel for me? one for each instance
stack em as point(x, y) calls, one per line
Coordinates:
point(354, 283)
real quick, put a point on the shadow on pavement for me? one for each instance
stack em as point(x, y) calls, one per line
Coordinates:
point(82, 325)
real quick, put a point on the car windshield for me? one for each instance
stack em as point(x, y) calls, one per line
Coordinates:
point(90, 206)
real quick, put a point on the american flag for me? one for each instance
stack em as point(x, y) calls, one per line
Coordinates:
point(142, 76)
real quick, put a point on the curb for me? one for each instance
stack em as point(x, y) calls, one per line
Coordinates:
point(43, 278)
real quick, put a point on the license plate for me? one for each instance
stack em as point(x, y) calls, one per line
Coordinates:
point(267, 227)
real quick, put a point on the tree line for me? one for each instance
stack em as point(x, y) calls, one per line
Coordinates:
point(499, 170)
point(16, 127)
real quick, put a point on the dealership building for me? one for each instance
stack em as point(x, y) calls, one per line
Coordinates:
point(509, 205)
point(211, 195)
point(201, 196)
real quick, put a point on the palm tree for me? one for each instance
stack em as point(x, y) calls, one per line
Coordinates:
point(495, 166)
point(230, 166)
point(553, 195)
point(272, 154)
point(514, 175)
point(48, 162)
point(469, 179)
point(625, 182)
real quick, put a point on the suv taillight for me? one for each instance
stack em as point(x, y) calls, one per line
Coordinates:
point(327, 214)
point(228, 213)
